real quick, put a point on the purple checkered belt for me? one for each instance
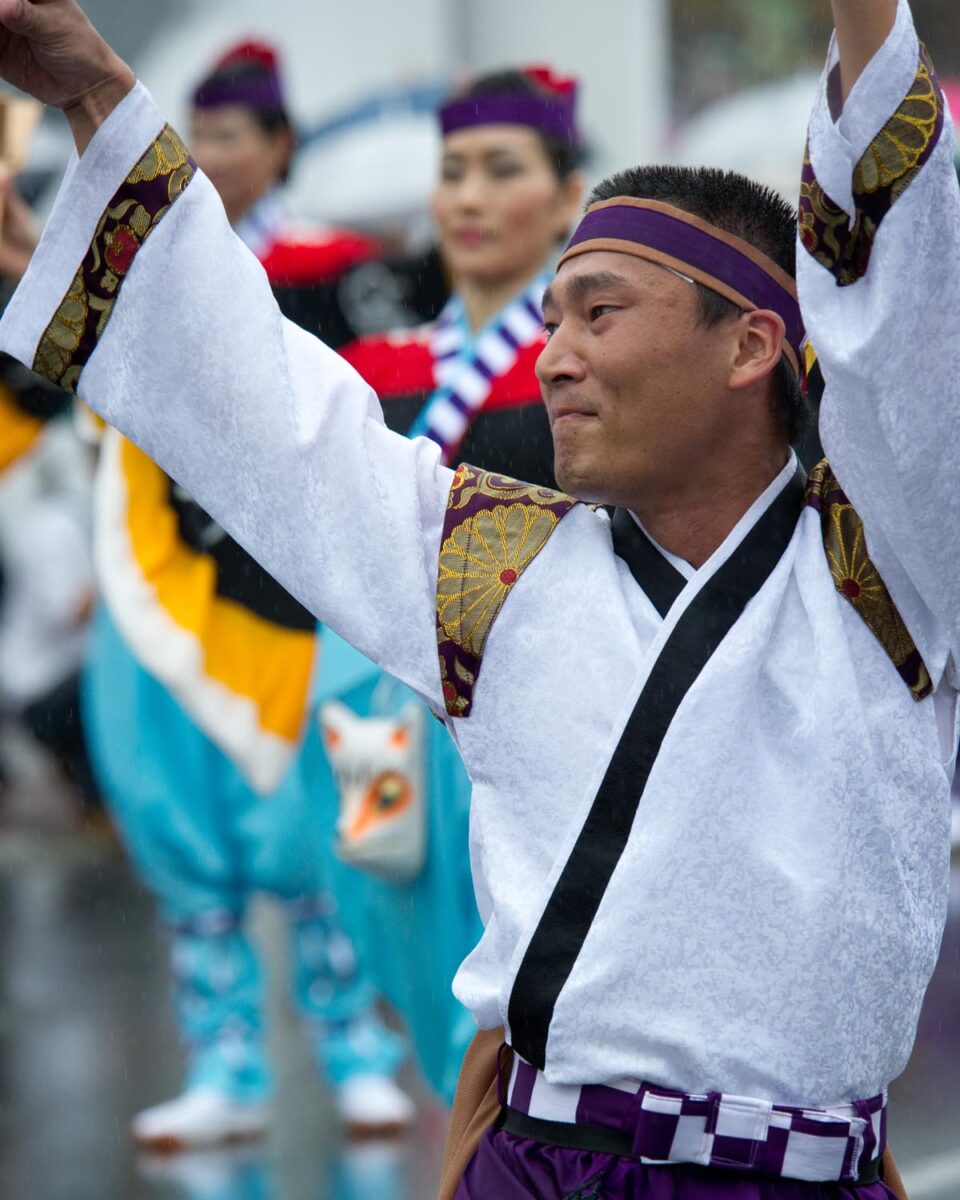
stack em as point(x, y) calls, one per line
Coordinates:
point(657, 1126)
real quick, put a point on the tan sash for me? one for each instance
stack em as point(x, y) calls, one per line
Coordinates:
point(891, 1176)
point(475, 1107)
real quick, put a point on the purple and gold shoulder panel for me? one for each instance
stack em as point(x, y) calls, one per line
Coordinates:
point(858, 581)
point(843, 243)
point(137, 207)
point(494, 528)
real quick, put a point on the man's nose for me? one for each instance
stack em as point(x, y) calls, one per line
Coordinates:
point(559, 361)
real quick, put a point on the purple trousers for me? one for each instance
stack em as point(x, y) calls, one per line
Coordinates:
point(506, 1167)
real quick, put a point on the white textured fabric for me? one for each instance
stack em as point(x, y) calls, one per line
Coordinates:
point(774, 920)
point(890, 354)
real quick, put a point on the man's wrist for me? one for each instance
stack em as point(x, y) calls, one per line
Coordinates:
point(862, 28)
point(88, 112)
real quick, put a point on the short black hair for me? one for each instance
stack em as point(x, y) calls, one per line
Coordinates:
point(564, 157)
point(748, 210)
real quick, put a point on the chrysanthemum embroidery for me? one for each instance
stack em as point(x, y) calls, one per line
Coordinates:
point(904, 144)
point(857, 579)
point(480, 562)
point(494, 528)
point(470, 485)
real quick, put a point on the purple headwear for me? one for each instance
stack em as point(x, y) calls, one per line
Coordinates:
point(550, 109)
point(247, 75)
point(671, 237)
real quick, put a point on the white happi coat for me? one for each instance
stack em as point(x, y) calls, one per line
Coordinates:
point(773, 922)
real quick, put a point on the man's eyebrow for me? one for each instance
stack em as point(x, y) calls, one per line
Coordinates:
point(581, 285)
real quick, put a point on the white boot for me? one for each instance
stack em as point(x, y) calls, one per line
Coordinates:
point(374, 1106)
point(200, 1116)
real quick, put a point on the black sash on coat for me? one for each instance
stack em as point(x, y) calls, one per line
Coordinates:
point(659, 579)
point(571, 909)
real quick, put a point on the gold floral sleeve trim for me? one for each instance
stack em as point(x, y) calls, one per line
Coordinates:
point(137, 208)
point(844, 244)
point(858, 581)
point(494, 528)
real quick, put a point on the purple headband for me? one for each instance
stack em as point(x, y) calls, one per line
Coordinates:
point(551, 115)
point(676, 239)
point(258, 90)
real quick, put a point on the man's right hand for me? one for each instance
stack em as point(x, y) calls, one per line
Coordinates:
point(49, 49)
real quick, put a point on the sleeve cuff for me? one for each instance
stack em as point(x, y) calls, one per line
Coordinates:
point(837, 143)
point(880, 90)
point(88, 186)
point(857, 167)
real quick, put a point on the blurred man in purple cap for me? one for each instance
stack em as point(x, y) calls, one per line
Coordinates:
point(710, 737)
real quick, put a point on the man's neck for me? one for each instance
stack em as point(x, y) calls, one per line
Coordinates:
point(693, 524)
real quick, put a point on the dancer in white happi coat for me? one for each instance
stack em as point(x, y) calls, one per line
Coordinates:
point(710, 740)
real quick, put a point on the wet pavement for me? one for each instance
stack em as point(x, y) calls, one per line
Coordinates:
point(87, 1038)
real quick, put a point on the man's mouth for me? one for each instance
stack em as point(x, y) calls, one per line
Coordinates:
point(573, 412)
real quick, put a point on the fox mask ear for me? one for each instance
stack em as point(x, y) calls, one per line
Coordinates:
point(335, 720)
point(406, 723)
point(334, 715)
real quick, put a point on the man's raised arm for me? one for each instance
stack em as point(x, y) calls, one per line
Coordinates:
point(141, 298)
point(862, 28)
point(49, 49)
point(879, 281)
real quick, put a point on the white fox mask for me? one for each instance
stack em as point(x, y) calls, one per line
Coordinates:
point(378, 763)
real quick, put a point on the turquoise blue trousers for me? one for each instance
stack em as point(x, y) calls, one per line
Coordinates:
point(205, 843)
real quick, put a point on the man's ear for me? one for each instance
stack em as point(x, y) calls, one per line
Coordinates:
point(758, 349)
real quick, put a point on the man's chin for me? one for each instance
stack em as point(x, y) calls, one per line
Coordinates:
point(578, 481)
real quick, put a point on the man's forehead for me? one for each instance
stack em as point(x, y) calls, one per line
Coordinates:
point(594, 270)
